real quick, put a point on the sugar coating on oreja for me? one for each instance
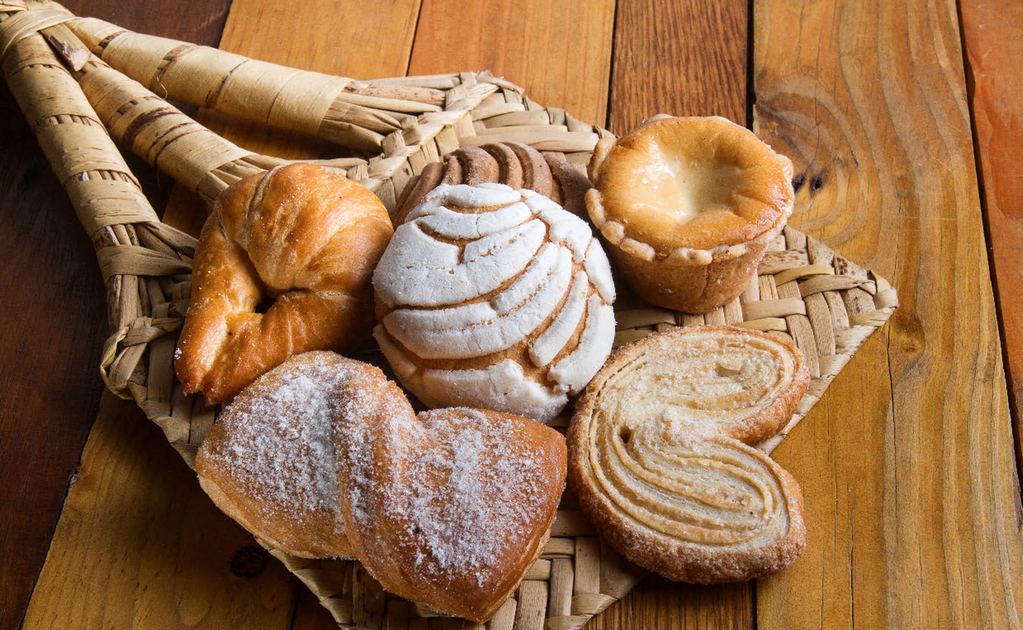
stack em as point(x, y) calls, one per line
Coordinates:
point(496, 298)
point(324, 456)
point(661, 453)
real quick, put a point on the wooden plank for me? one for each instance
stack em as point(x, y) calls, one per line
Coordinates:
point(907, 463)
point(361, 40)
point(993, 35)
point(687, 58)
point(50, 273)
point(50, 343)
point(659, 603)
point(558, 51)
point(684, 57)
point(139, 545)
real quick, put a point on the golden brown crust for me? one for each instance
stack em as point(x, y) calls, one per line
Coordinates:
point(324, 456)
point(660, 455)
point(571, 184)
point(687, 207)
point(494, 518)
point(302, 235)
point(263, 463)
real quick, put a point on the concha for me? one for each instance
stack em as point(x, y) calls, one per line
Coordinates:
point(494, 298)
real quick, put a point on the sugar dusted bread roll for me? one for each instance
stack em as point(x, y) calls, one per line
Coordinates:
point(269, 460)
point(494, 298)
point(324, 456)
point(301, 238)
point(687, 207)
point(661, 460)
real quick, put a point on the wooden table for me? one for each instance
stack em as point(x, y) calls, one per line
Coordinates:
point(903, 120)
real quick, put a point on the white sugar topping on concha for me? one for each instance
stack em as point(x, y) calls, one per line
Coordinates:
point(495, 298)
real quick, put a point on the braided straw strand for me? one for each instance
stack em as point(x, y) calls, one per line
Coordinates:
point(142, 261)
point(355, 114)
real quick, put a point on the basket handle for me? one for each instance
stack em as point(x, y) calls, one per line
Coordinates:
point(354, 114)
point(144, 263)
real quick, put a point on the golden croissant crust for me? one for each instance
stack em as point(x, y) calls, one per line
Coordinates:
point(660, 453)
point(324, 456)
point(304, 239)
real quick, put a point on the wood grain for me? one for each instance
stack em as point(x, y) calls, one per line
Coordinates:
point(140, 545)
point(50, 273)
point(560, 52)
point(907, 464)
point(50, 343)
point(683, 57)
point(993, 36)
point(687, 58)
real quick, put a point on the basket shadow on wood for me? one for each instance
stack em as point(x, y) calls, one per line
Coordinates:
point(393, 128)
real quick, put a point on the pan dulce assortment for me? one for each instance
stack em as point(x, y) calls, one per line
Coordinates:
point(492, 305)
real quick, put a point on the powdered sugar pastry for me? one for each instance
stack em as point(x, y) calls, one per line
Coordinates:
point(324, 456)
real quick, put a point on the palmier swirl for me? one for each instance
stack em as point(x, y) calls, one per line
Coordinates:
point(660, 453)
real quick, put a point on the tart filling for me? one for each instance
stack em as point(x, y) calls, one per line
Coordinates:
point(688, 184)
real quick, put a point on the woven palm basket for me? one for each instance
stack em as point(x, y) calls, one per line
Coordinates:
point(81, 82)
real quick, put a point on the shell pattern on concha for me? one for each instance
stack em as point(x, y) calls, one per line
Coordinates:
point(495, 298)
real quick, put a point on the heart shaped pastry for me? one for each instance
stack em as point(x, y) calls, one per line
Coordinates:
point(660, 453)
point(324, 456)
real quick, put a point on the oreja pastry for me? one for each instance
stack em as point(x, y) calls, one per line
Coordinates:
point(300, 237)
point(324, 456)
point(687, 207)
point(494, 298)
point(661, 456)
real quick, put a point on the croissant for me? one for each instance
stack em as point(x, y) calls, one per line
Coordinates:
point(660, 455)
point(324, 456)
point(300, 237)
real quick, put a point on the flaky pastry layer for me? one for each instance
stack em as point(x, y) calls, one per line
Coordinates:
point(283, 265)
point(660, 453)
